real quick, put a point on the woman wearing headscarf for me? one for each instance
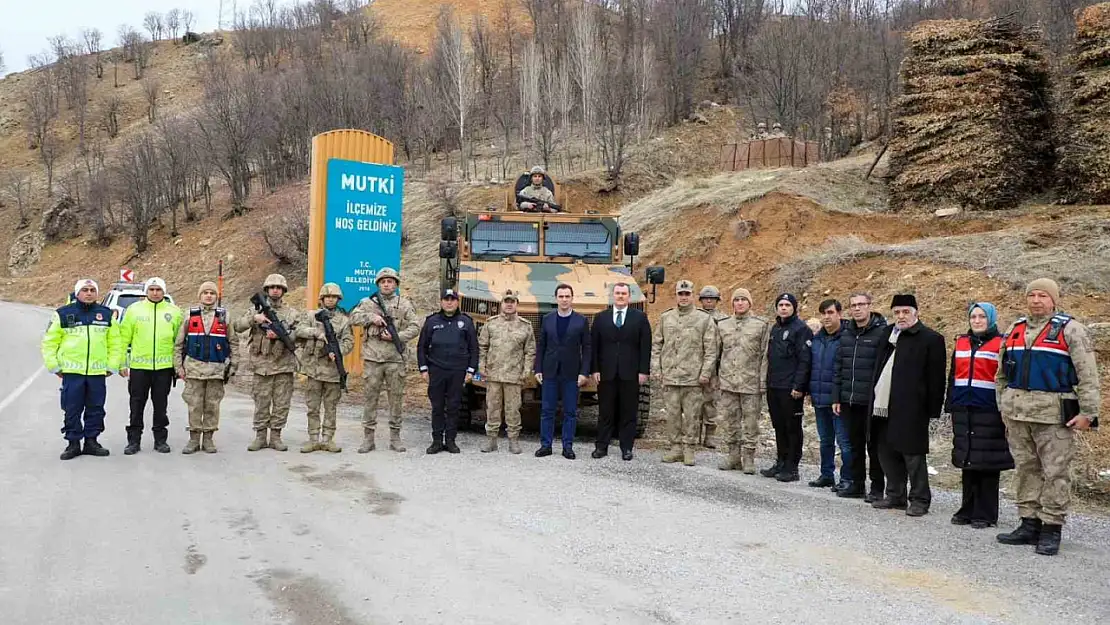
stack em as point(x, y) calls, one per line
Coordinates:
point(979, 437)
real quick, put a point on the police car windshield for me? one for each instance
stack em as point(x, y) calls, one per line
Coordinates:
point(126, 300)
point(498, 239)
point(587, 241)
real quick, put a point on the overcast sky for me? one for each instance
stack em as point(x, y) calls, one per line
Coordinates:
point(25, 25)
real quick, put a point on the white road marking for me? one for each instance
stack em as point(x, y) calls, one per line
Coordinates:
point(14, 395)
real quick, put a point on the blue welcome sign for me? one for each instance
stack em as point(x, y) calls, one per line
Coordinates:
point(363, 234)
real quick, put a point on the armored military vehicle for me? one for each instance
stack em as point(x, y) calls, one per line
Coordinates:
point(498, 248)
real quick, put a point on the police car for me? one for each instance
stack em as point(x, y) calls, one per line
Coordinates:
point(123, 294)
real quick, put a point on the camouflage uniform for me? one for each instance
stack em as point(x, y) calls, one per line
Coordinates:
point(742, 344)
point(382, 365)
point(506, 352)
point(712, 393)
point(1042, 448)
point(323, 377)
point(273, 365)
point(532, 192)
point(204, 381)
point(683, 353)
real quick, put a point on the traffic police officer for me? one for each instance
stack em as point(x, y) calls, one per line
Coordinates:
point(149, 328)
point(447, 355)
point(205, 356)
point(1047, 388)
point(82, 347)
point(319, 365)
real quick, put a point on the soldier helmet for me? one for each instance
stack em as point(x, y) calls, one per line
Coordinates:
point(776, 126)
point(684, 286)
point(538, 170)
point(761, 125)
point(331, 288)
point(709, 291)
point(387, 272)
point(275, 279)
point(510, 295)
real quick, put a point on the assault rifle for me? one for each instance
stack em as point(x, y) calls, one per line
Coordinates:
point(542, 204)
point(389, 325)
point(324, 317)
point(262, 305)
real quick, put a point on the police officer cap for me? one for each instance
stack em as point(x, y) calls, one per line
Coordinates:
point(448, 294)
point(275, 279)
point(709, 292)
point(684, 286)
point(331, 288)
point(537, 170)
point(387, 272)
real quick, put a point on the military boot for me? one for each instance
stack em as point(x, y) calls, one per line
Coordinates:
point(161, 446)
point(748, 458)
point(275, 441)
point(1049, 542)
point(367, 441)
point(1028, 533)
point(773, 470)
point(732, 462)
point(259, 441)
point(491, 444)
point(688, 455)
point(312, 445)
point(395, 441)
point(192, 446)
point(709, 439)
point(73, 449)
point(133, 444)
point(93, 448)
point(674, 455)
point(514, 445)
point(207, 445)
point(328, 443)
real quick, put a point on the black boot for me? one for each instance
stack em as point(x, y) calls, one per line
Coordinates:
point(72, 450)
point(773, 470)
point(160, 446)
point(434, 448)
point(451, 447)
point(93, 448)
point(133, 444)
point(1028, 533)
point(1049, 542)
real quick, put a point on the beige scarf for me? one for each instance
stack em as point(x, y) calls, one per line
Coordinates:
point(882, 387)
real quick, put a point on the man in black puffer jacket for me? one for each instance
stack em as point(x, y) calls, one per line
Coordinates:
point(854, 377)
point(788, 361)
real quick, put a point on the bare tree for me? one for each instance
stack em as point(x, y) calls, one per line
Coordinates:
point(585, 54)
point(136, 48)
point(109, 115)
point(230, 126)
point(153, 24)
point(98, 196)
point(139, 176)
point(17, 189)
point(92, 39)
point(151, 91)
point(454, 65)
point(735, 22)
point(173, 23)
point(187, 19)
point(42, 111)
point(681, 28)
point(71, 69)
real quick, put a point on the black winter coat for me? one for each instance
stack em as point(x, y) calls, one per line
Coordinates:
point(917, 386)
point(855, 363)
point(788, 355)
point(448, 342)
point(978, 436)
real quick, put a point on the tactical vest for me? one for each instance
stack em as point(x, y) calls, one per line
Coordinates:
point(973, 373)
point(1045, 366)
point(211, 346)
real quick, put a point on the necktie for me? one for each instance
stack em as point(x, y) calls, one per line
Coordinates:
point(620, 318)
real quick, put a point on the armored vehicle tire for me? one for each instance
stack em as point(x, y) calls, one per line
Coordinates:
point(643, 412)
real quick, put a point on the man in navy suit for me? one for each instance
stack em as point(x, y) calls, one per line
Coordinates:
point(621, 339)
point(562, 364)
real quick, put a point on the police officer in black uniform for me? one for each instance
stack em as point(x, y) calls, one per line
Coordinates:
point(448, 357)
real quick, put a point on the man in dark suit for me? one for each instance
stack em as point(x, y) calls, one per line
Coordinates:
point(621, 338)
point(562, 364)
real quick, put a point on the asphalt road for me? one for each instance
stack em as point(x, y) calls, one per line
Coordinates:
point(345, 539)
